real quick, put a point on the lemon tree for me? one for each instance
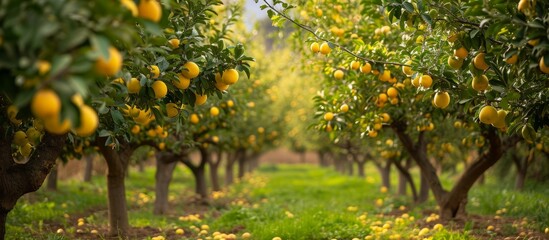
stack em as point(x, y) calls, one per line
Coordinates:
point(444, 58)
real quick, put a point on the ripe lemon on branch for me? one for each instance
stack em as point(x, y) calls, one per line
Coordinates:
point(111, 65)
point(45, 104)
point(230, 76)
point(150, 10)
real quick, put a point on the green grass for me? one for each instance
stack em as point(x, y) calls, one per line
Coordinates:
point(288, 201)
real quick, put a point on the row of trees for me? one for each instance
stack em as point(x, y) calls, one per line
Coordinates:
point(437, 82)
point(81, 77)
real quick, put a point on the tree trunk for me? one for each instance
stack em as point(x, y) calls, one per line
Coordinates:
point(454, 202)
point(214, 171)
point(229, 169)
point(385, 172)
point(242, 157)
point(322, 158)
point(522, 168)
point(165, 165)
point(405, 173)
point(350, 165)
point(52, 179)
point(19, 179)
point(199, 174)
point(88, 170)
point(423, 190)
point(117, 162)
point(360, 165)
point(141, 166)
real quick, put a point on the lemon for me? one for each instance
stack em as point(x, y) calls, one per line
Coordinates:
point(221, 86)
point(110, 66)
point(88, 121)
point(20, 138)
point(43, 66)
point(542, 66)
point(500, 122)
point(488, 115)
point(524, 6)
point(182, 82)
point(315, 47)
point(328, 116)
point(161, 146)
point(230, 103)
point(480, 83)
point(382, 97)
point(230, 76)
point(372, 134)
point(155, 71)
point(160, 89)
point(392, 92)
point(12, 115)
point(479, 62)
point(45, 104)
point(174, 43)
point(355, 65)
point(425, 81)
point(461, 53)
point(415, 82)
point(338, 74)
point(325, 48)
point(533, 42)
point(194, 118)
point(366, 68)
point(442, 99)
point(385, 76)
point(214, 111)
point(130, 5)
point(385, 117)
point(200, 99)
point(454, 62)
point(151, 133)
point(172, 110)
point(150, 10)
point(407, 70)
point(26, 149)
point(134, 86)
point(33, 135)
point(136, 129)
point(190, 70)
point(344, 108)
point(512, 60)
point(55, 126)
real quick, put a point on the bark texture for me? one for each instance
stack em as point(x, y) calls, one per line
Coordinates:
point(165, 165)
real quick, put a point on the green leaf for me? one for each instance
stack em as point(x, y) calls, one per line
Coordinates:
point(101, 44)
point(408, 7)
point(427, 18)
point(60, 63)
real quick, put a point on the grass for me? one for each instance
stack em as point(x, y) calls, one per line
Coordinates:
point(287, 201)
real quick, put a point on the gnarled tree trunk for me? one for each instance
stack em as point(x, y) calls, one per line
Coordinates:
point(229, 168)
point(18, 179)
point(214, 171)
point(405, 177)
point(385, 172)
point(88, 170)
point(242, 160)
point(165, 165)
point(522, 168)
point(117, 163)
point(199, 174)
point(452, 203)
point(52, 178)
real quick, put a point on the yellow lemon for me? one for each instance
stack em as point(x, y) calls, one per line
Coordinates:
point(355, 65)
point(392, 92)
point(461, 53)
point(214, 111)
point(230, 76)
point(172, 110)
point(88, 121)
point(479, 62)
point(426, 81)
point(200, 99)
point(45, 104)
point(55, 126)
point(328, 116)
point(488, 115)
point(454, 62)
point(542, 66)
point(155, 71)
point(315, 47)
point(338, 74)
point(150, 10)
point(130, 5)
point(194, 118)
point(344, 108)
point(442, 99)
point(325, 48)
point(190, 70)
point(134, 86)
point(512, 60)
point(182, 82)
point(174, 43)
point(480, 83)
point(160, 89)
point(110, 66)
point(366, 68)
point(407, 70)
point(500, 121)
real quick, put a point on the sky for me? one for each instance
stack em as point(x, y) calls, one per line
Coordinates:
point(252, 12)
